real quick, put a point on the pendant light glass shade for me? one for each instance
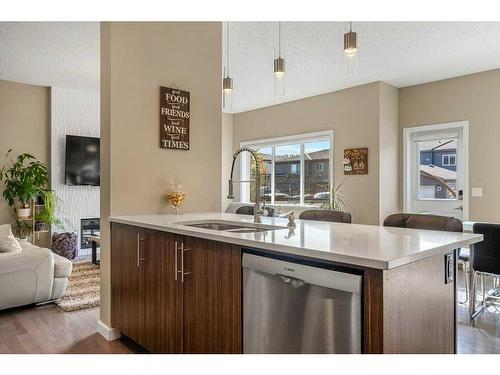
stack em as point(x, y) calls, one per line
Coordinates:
point(279, 77)
point(351, 52)
point(279, 69)
point(350, 43)
point(227, 91)
point(227, 81)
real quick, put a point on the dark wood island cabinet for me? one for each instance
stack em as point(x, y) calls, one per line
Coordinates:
point(174, 293)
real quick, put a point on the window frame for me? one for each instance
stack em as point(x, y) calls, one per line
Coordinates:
point(319, 164)
point(448, 156)
point(272, 143)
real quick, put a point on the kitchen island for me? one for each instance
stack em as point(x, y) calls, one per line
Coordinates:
point(177, 284)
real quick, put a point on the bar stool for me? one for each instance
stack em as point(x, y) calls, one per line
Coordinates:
point(485, 260)
point(464, 258)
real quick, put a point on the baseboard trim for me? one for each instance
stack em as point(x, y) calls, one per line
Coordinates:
point(108, 333)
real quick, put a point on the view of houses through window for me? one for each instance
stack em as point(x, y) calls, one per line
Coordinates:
point(297, 172)
point(438, 169)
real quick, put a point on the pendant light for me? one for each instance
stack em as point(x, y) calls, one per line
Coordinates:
point(351, 52)
point(227, 81)
point(279, 69)
point(350, 42)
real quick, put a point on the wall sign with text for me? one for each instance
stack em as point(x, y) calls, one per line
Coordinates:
point(356, 161)
point(174, 118)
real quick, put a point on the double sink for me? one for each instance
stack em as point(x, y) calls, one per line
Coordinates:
point(231, 227)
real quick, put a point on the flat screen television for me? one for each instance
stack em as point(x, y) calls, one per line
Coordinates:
point(82, 161)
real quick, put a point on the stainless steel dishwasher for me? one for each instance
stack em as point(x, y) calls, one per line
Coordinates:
point(296, 306)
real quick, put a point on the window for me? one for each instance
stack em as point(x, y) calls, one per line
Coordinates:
point(437, 182)
point(287, 173)
point(449, 160)
point(266, 169)
point(294, 170)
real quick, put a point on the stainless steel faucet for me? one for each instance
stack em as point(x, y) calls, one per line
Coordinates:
point(256, 209)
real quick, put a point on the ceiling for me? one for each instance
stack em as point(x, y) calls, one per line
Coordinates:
point(66, 54)
point(399, 53)
point(60, 54)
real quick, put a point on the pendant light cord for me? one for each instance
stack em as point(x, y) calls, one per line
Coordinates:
point(279, 39)
point(227, 48)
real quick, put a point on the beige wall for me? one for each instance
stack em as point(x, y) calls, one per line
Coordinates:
point(227, 156)
point(24, 126)
point(354, 114)
point(138, 58)
point(105, 168)
point(389, 149)
point(474, 98)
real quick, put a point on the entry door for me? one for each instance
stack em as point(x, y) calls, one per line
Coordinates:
point(435, 170)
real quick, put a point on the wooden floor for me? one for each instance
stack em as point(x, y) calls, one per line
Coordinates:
point(48, 329)
point(483, 336)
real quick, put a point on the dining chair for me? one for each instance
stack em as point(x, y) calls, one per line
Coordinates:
point(432, 222)
point(424, 221)
point(245, 210)
point(248, 210)
point(326, 215)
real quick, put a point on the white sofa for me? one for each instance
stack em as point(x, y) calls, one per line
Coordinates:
point(32, 275)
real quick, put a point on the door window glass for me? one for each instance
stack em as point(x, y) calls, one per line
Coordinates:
point(437, 170)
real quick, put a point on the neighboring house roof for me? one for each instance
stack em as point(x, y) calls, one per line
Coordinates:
point(266, 157)
point(321, 154)
point(316, 155)
point(439, 145)
point(442, 173)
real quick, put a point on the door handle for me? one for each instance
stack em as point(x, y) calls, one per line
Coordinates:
point(139, 259)
point(461, 208)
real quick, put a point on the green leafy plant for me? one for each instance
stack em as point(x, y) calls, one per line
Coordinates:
point(25, 178)
point(48, 215)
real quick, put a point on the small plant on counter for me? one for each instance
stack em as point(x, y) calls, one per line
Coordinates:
point(25, 178)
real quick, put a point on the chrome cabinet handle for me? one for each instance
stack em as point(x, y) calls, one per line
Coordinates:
point(176, 267)
point(139, 259)
point(182, 262)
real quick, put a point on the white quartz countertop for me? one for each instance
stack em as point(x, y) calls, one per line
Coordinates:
point(362, 245)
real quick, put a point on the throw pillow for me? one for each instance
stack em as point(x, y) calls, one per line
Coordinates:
point(8, 242)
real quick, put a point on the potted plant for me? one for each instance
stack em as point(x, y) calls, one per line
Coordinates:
point(25, 178)
point(47, 217)
point(337, 202)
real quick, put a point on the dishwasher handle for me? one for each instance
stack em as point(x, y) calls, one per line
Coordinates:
point(292, 281)
point(343, 281)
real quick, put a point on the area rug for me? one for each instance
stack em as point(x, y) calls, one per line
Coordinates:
point(83, 288)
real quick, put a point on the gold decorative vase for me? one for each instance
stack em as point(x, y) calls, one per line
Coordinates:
point(176, 195)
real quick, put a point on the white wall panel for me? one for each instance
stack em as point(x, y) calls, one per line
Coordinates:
point(72, 113)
